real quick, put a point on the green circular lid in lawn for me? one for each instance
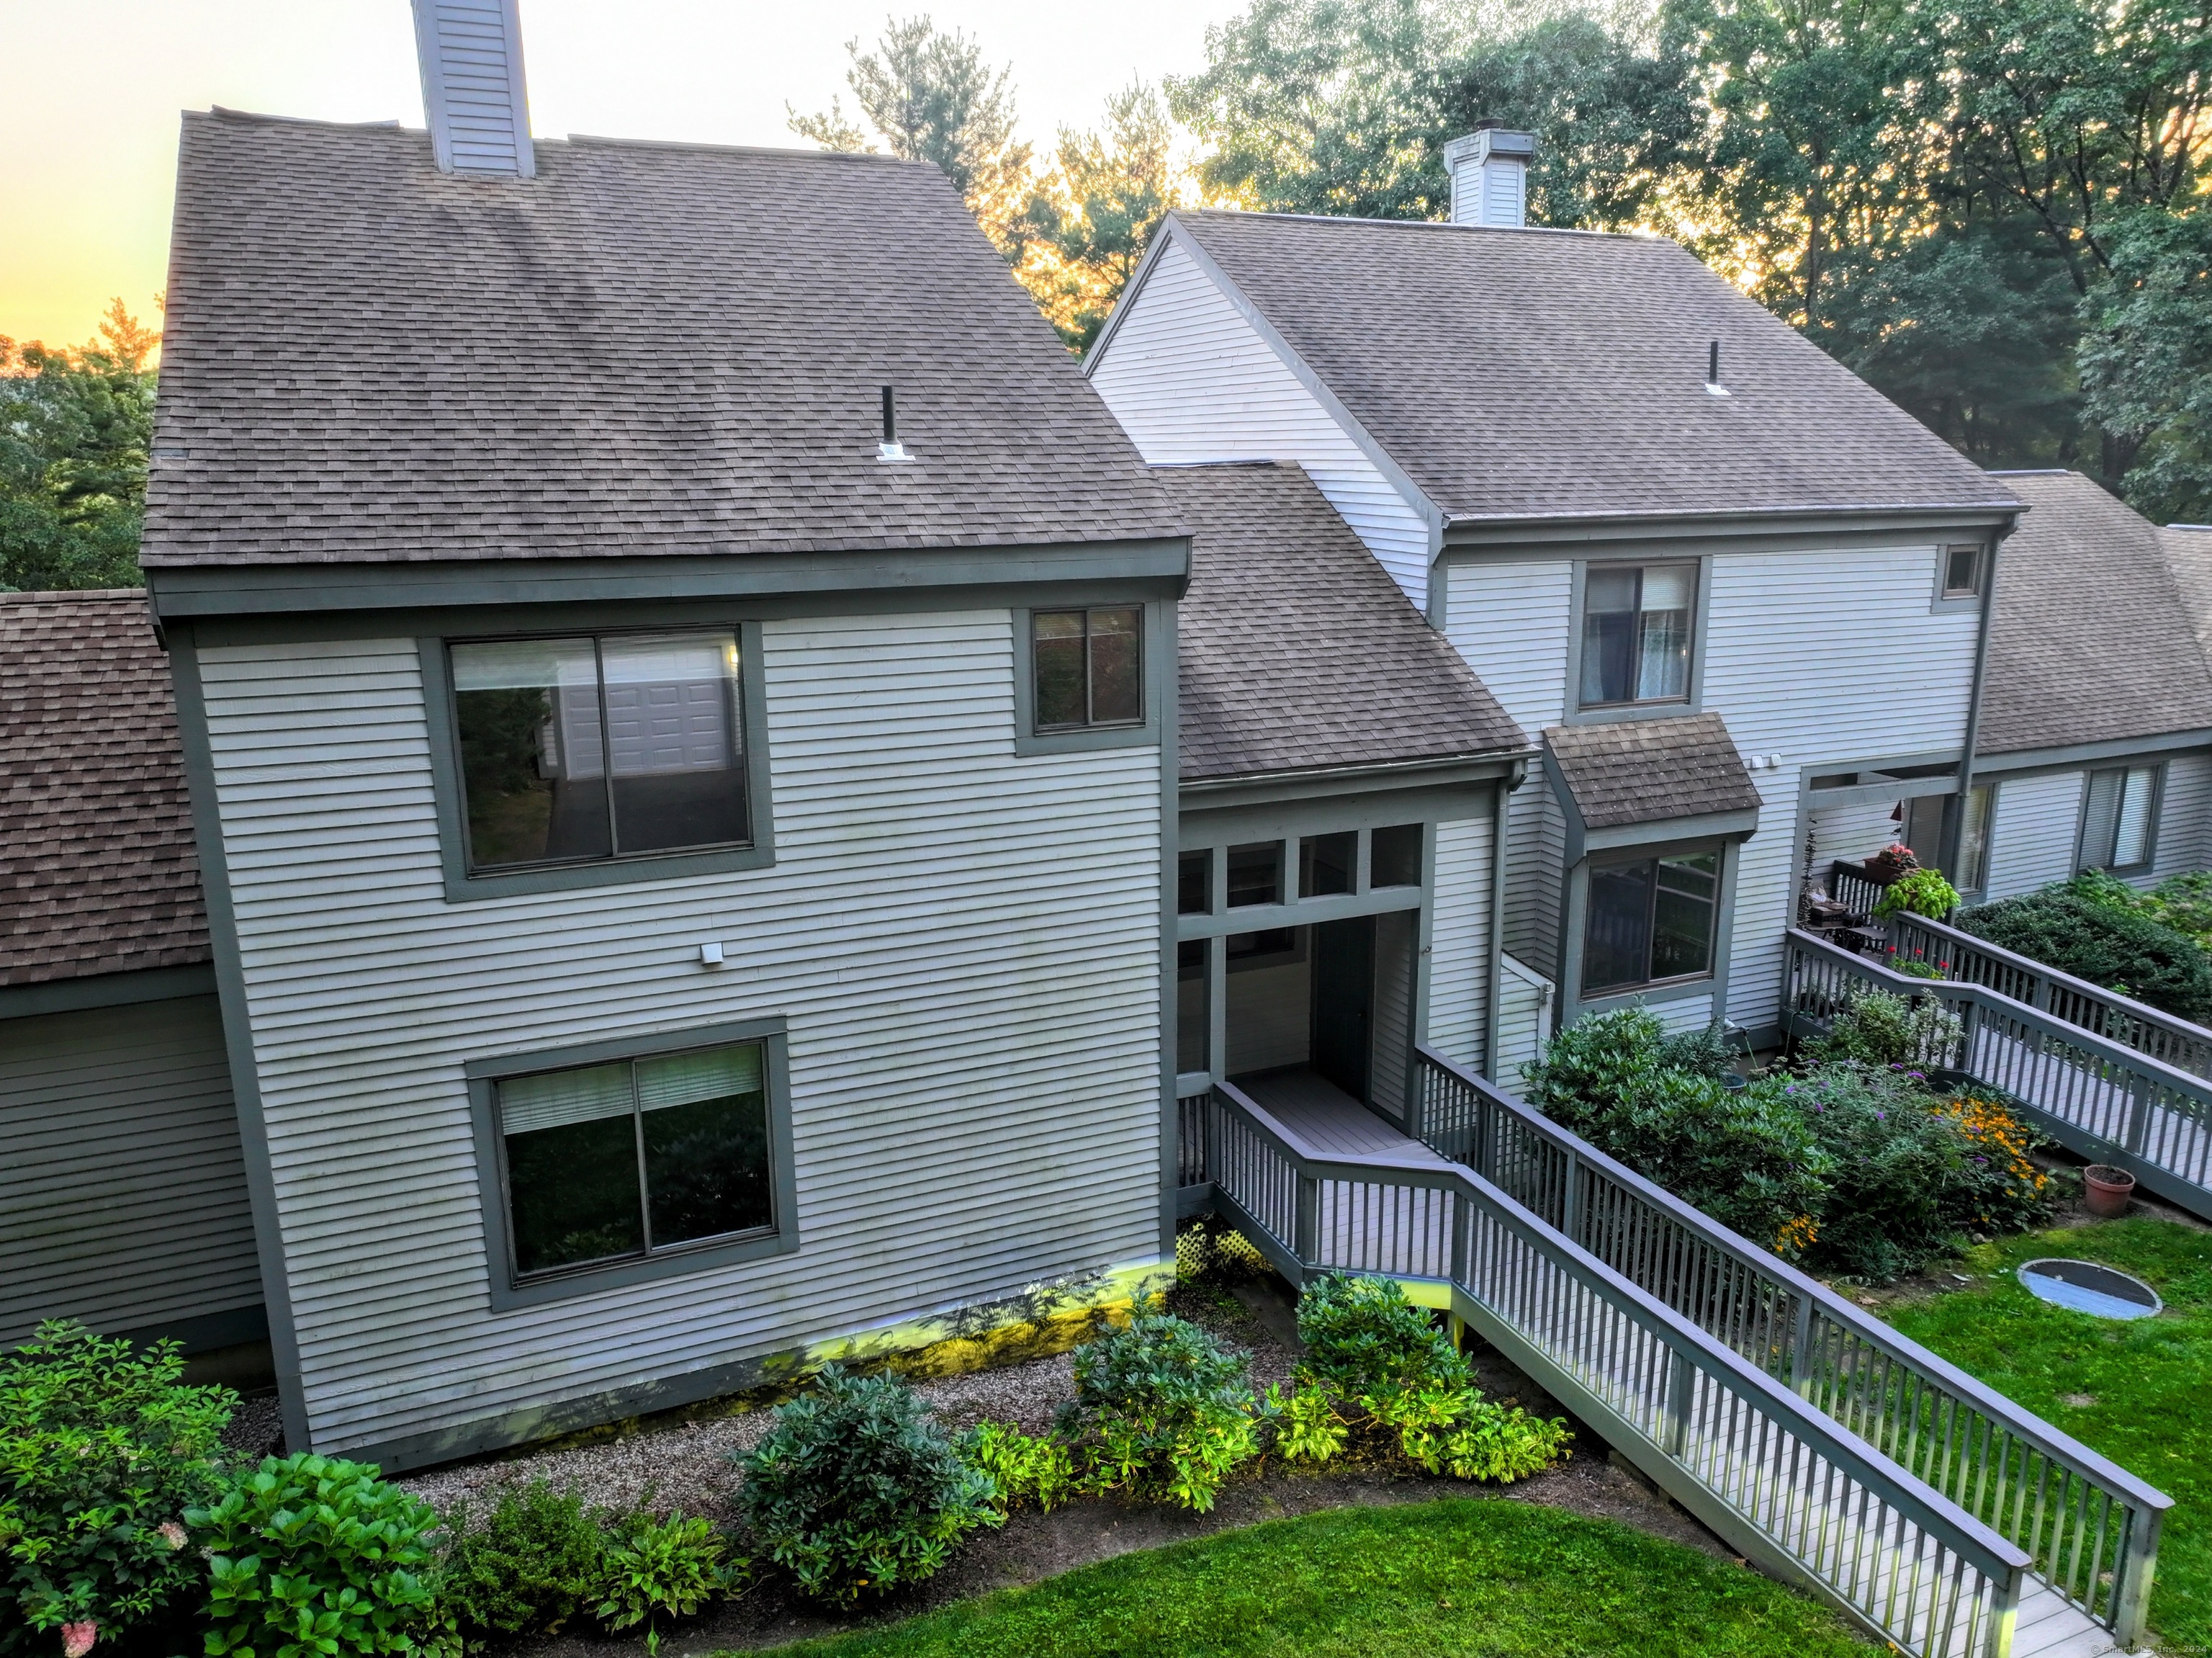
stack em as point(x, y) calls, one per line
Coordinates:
point(2088, 1287)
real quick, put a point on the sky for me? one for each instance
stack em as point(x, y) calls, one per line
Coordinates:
point(89, 120)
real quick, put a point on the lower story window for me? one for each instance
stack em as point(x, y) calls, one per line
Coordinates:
point(2116, 827)
point(642, 1157)
point(1651, 919)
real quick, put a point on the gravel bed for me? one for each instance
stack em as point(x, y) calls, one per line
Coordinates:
point(684, 1464)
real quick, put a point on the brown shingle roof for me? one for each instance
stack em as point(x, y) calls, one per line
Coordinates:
point(98, 873)
point(2090, 640)
point(1298, 650)
point(1624, 771)
point(1516, 373)
point(646, 349)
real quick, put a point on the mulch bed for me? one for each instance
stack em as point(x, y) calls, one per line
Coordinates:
point(684, 1463)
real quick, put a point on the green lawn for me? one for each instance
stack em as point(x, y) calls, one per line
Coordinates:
point(2150, 1381)
point(1483, 1578)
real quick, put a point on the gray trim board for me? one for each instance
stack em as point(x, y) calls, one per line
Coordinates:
point(1221, 794)
point(505, 1293)
point(107, 991)
point(462, 886)
point(1156, 640)
point(238, 1032)
point(1707, 531)
point(1163, 669)
point(1714, 825)
point(1204, 824)
point(2073, 758)
point(1306, 912)
point(193, 590)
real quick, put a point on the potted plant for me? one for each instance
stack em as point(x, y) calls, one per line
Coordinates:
point(1894, 861)
point(2108, 1189)
point(1920, 893)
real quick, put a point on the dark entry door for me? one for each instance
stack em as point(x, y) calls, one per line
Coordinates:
point(1344, 1002)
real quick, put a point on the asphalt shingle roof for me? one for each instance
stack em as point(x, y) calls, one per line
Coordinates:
point(98, 873)
point(646, 349)
point(1517, 373)
point(2090, 640)
point(1298, 650)
point(2189, 555)
point(1624, 771)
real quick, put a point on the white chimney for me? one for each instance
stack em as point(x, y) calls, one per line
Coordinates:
point(1489, 170)
point(472, 90)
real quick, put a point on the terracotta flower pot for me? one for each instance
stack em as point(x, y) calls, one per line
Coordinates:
point(2109, 1190)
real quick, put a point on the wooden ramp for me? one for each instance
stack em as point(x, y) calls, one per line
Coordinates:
point(1781, 1480)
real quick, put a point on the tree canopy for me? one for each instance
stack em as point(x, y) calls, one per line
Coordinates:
point(75, 426)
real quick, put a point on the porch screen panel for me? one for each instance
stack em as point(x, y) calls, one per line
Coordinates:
point(703, 1126)
point(570, 1140)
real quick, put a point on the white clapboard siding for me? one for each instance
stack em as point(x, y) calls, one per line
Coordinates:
point(1191, 379)
point(2184, 819)
point(1849, 834)
point(1526, 1001)
point(122, 1192)
point(1535, 863)
point(965, 944)
point(1688, 1013)
point(2033, 842)
point(1459, 952)
point(1789, 666)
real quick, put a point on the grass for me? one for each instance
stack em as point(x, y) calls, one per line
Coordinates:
point(1481, 1578)
point(2149, 1383)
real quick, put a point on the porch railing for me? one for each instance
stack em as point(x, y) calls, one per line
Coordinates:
point(1777, 1471)
point(1850, 884)
point(2099, 1096)
point(2133, 1024)
point(2089, 1527)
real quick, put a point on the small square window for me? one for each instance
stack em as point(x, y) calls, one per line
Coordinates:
point(1088, 667)
point(1325, 863)
point(1962, 572)
point(1394, 856)
point(1195, 883)
point(1255, 874)
point(625, 1161)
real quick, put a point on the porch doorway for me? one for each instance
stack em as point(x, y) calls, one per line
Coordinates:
point(1331, 1002)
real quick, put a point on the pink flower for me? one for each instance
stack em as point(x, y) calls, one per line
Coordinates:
point(171, 1533)
point(78, 1638)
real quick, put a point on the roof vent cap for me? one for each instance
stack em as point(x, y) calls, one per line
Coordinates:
point(890, 448)
point(1489, 169)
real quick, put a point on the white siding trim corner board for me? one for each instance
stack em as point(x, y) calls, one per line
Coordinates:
point(1460, 943)
point(965, 944)
point(1191, 379)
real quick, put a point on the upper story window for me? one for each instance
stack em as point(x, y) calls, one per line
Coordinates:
point(1962, 571)
point(1636, 625)
point(1089, 667)
point(587, 748)
point(624, 1161)
point(2116, 827)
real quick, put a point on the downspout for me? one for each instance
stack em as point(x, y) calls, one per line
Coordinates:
point(1954, 836)
point(1504, 790)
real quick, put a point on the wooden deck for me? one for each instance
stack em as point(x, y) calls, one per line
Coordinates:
point(2074, 1097)
point(1740, 1460)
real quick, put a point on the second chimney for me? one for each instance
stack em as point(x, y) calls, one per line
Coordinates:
point(1489, 169)
point(472, 88)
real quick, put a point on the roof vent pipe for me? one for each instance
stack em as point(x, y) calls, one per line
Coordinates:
point(1489, 169)
point(472, 86)
point(890, 448)
point(1713, 370)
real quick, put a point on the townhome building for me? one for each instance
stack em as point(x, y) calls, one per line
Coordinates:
point(1737, 596)
point(2096, 746)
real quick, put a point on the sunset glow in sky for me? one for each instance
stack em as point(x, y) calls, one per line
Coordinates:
point(89, 122)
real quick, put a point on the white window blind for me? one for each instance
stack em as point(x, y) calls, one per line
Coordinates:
point(558, 1098)
point(683, 1079)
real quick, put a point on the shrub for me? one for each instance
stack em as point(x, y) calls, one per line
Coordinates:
point(2011, 1193)
point(529, 1567)
point(2123, 950)
point(1367, 1345)
point(1161, 1411)
point(2181, 902)
point(1920, 892)
point(1023, 1468)
point(307, 1555)
point(1876, 1028)
point(102, 1451)
point(855, 1490)
point(669, 1567)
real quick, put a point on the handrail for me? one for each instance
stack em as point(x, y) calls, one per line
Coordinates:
point(1883, 1338)
point(1814, 1478)
point(2109, 1100)
point(2153, 1031)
